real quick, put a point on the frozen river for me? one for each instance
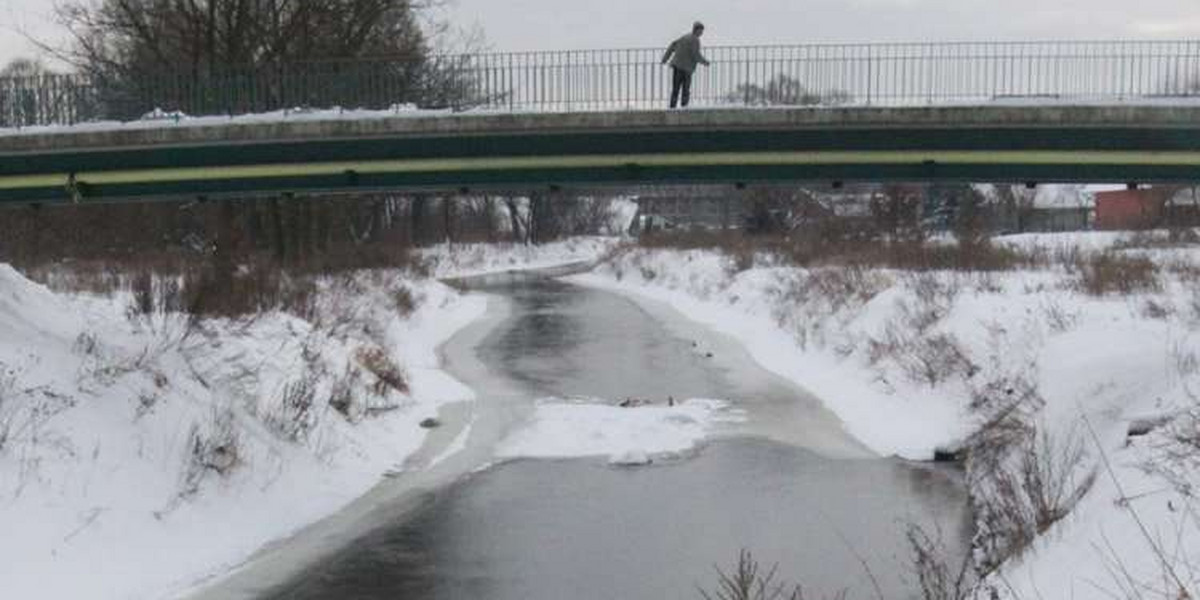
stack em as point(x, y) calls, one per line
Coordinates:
point(787, 483)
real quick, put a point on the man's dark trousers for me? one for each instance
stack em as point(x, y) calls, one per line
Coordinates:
point(680, 82)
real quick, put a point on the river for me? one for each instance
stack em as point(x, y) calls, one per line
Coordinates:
point(787, 484)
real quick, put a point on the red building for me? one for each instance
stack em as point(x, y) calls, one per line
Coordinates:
point(1130, 209)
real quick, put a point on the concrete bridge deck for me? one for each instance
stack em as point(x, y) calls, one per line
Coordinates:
point(1044, 143)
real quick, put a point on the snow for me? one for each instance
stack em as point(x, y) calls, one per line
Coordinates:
point(1155, 243)
point(141, 456)
point(743, 307)
point(458, 444)
point(1063, 196)
point(448, 261)
point(113, 425)
point(160, 119)
point(628, 436)
point(1000, 321)
point(1099, 551)
point(855, 337)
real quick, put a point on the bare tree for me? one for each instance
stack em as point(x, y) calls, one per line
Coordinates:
point(519, 217)
point(210, 56)
point(896, 211)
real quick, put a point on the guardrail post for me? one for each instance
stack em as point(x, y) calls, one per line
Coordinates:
point(870, 72)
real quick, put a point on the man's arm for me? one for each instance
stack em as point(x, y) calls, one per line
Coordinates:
point(670, 51)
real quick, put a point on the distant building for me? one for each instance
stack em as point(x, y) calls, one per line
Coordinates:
point(1131, 209)
point(709, 207)
point(1058, 208)
point(1183, 208)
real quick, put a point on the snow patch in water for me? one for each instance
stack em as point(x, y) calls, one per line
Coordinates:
point(628, 436)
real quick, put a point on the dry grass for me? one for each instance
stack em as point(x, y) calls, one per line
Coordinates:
point(937, 578)
point(849, 250)
point(404, 301)
point(1022, 480)
point(293, 417)
point(254, 290)
point(1024, 487)
point(929, 359)
point(341, 394)
point(1172, 238)
point(193, 282)
point(189, 284)
point(1057, 317)
point(214, 447)
point(1114, 273)
point(388, 375)
point(749, 581)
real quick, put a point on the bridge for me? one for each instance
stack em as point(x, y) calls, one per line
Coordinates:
point(1119, 112)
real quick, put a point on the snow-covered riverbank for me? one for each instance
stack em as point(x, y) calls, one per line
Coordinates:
point(141, 454)
point(913, 361)
point(446, 261)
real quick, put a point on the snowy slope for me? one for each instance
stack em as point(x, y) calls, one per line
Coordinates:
point(465, 260)
point(900, 358)
point(141, 454)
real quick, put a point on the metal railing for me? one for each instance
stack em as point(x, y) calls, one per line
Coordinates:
point(820, 74)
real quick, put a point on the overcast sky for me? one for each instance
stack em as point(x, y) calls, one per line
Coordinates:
point(577, 24)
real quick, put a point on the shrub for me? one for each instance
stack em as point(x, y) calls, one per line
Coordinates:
point(1194, 302)
point(1187, 271)
point(341, 394)
point(404, 301)
point(1152, 309)
point(389, 375)
point(828, 246)
point(1059, 319)
point(841, 287)
point(935, 577)
point(934, 359)
point(214, 448)
point(293, 417)
point(1111, 272)
point(1022, 490)
point(748, 581)
point(934, 295)
point(143, 293)
point(807, 299)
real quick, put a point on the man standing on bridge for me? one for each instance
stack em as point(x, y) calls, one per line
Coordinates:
point(684, 54)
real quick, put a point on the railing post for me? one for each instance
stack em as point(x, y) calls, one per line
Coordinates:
point(749, 81)
point(870, 72)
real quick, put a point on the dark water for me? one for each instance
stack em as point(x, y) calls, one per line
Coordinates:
point(583, 529)
point(564, 340)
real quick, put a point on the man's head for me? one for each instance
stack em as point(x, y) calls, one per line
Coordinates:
point(698, 29)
